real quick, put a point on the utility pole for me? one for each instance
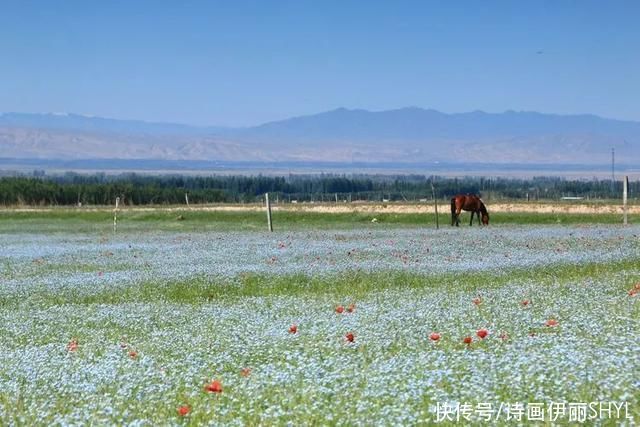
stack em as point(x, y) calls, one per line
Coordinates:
point(625, 191)
point(613, 168)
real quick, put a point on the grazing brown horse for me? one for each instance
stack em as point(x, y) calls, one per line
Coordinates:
point(468, 203)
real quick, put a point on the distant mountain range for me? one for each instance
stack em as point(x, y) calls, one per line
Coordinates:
point(407, 135)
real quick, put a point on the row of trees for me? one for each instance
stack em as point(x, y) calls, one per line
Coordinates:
point(100, 189)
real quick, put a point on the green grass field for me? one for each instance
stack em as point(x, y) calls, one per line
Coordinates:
point(188, 220)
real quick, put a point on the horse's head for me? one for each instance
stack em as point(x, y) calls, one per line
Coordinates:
point(485, 214)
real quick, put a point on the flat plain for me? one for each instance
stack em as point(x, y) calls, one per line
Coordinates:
point(186, 317)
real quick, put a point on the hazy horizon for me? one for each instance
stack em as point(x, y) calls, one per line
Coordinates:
point(213, 125)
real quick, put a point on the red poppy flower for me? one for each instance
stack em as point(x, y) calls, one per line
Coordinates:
point(351, 308)
point(245, 372)
point(434, 336)
point(133, 354)
point(339, 309)
point(73, 345)
point(293, 329)
point(525, 302)
point(632, 293)
point(482, 333)
point(350, 337)
point(477, 301)
point(183, 410)
point(214, 386)
point(551, 323)
point(467, 340)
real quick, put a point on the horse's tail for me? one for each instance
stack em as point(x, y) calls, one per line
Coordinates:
point(453, 210)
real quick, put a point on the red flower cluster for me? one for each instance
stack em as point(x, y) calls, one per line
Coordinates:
point(350, 337)
point(293, 329)
point(214, 386)
point(482, 333)
point(551, 323)
point(434, 336)
point(350, 308)
point(183, 410)
point(467, 340)
point(73, 345)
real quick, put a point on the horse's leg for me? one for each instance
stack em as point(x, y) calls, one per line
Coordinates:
point(472, 214)
point(453, 211)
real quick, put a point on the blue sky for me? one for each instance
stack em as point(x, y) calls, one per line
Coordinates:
point(246, 62)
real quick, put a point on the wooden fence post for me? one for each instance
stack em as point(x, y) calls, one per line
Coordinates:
point(266, 196)
point(625, 190)
point(115, 215)
point(435, 204)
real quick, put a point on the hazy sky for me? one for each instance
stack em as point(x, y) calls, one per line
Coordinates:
point(245, 62)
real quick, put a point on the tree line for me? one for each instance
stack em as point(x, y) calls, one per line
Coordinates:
point(135, 189)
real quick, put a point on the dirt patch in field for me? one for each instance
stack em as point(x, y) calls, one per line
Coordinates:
point(572, 209)
point(371, 208)
point(498, 207)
